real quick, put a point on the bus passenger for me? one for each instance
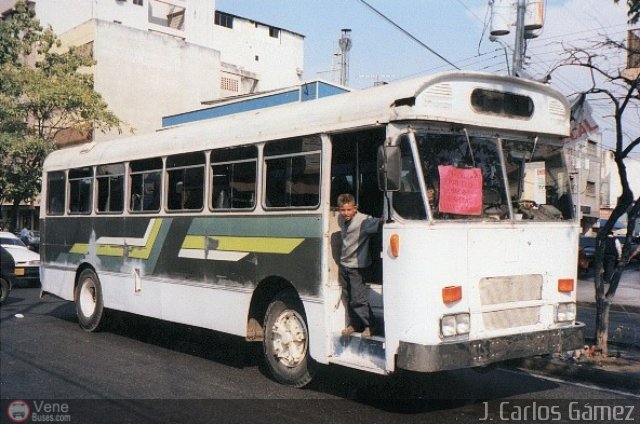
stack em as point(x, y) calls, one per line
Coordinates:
point(356, 230)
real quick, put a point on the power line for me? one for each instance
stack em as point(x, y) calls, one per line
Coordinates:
point(470, 11)
point(407, 33)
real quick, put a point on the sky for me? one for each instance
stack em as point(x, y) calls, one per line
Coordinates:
point(458, 30)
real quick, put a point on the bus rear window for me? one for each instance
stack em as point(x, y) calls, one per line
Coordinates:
point(55, 193)
point(500, 103)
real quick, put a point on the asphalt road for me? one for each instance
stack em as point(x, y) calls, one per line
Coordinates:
point(148, 371)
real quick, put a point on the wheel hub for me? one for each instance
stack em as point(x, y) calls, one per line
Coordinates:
point(289, 338)
point(88, 298)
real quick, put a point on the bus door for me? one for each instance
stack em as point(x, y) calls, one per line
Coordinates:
point(353, 170)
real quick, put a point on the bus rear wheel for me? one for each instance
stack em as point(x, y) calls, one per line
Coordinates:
point(89, 303)
point(286, 342)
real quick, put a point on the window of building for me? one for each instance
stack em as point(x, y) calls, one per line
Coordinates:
point(234, 178)
point(138, 2)
point(175, 19)
point(56, 193)
point(274, 32)
point(146, 185)
point(229, 84)
point(292, 170)
point(186, 182)
point(80, 188)
point(223, 19)
point(110, 185)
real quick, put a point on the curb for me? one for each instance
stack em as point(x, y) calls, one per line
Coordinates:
point(585, 372)
point(632, 309)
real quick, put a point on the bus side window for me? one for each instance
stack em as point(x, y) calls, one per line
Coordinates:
point(80, 190)
point(292, 169)
point(110, 190)
point(146, 185)
point(185, 189)
point(234, 173)
point(56, 193)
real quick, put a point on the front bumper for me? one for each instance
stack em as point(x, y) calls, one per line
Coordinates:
point(476, 353)
point(26, 275)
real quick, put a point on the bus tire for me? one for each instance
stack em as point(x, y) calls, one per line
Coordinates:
point(286, 342)
point(89, 303)
point(4, 289)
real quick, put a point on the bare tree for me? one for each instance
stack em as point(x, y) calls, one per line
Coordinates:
point(620, 87)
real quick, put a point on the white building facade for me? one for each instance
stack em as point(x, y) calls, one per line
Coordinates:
point(583, 152)
point(160, 57)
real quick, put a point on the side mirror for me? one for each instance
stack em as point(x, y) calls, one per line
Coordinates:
point(389, 168)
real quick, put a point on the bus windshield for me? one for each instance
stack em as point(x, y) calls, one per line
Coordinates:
point(480, 177)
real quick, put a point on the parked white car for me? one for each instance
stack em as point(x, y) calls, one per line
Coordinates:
point(27, 269)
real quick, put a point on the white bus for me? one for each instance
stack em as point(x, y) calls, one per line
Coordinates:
point(231, 224)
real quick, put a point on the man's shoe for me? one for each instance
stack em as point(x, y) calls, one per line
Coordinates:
point(367, 332)
point(347, 331)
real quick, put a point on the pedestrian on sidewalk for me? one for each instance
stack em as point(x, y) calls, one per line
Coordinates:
point(356, 229)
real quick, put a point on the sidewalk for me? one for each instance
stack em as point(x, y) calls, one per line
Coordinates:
point(621, 370)
point(627, 298)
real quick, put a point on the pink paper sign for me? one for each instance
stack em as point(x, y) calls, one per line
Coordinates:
point(460, 190)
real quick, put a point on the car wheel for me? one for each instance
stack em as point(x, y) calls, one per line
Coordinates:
point(286, 341)
point(5, 288)
point(89, 303)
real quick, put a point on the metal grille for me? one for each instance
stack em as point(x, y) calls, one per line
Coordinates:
point(228, 84)
point(556, 108)
point(512, 288)
point(510, 318)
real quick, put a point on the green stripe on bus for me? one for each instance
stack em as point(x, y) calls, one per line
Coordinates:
point(260, 226)
point(282, 246)
point(136, 252)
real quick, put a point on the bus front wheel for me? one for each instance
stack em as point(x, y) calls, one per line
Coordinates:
point(89, 304)
point(286, 341)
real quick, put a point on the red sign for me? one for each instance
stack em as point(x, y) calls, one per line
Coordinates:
point(460, 190)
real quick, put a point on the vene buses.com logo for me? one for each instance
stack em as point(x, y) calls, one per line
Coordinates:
point(18, 411)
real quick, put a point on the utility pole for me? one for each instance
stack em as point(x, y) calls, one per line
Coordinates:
point(527, 21)
point(518, 51)
point(345, 45)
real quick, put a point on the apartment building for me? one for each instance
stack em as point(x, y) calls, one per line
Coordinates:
point(583, 153)
point(161, 57)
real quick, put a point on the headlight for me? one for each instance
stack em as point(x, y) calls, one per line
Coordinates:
point(565, 312)
point(455, 325)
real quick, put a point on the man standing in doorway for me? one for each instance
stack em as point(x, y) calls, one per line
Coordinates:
point(356, 229)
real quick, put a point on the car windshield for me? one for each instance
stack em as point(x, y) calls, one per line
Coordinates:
point(9, 241)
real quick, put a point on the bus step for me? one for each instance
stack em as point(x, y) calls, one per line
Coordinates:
point(359, 352)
